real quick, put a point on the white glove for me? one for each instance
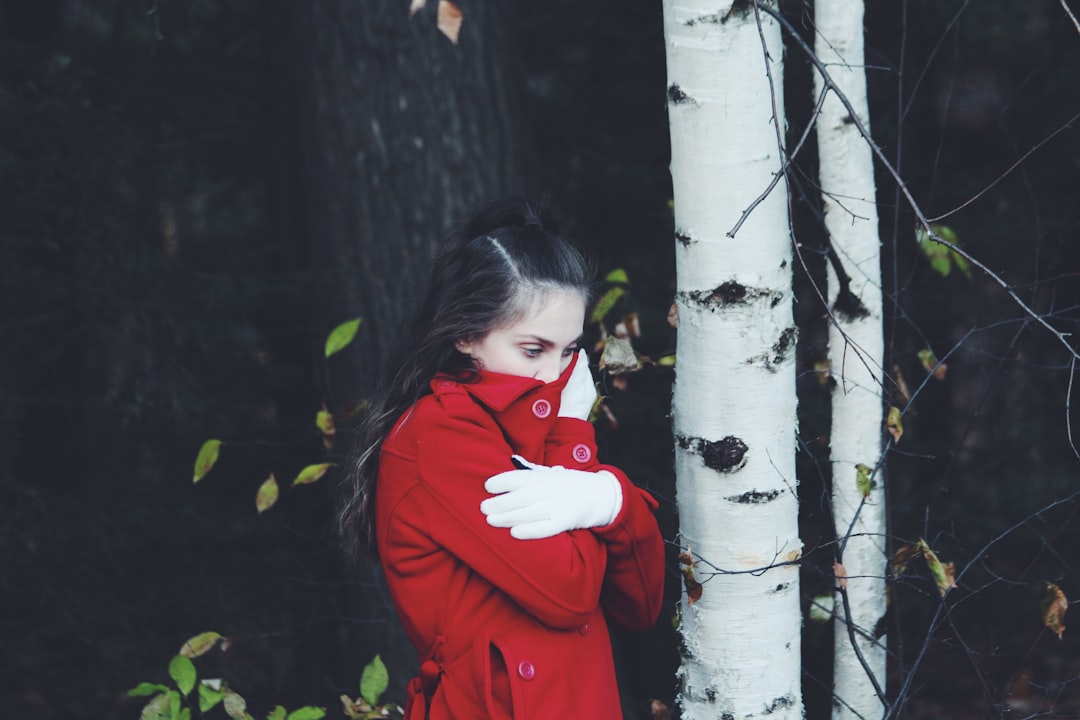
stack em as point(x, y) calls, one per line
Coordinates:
point(579, 394)
point(545, 501)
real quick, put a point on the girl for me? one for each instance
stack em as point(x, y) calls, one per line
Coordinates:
point(506, 546)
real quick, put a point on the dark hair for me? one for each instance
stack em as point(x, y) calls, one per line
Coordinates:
point(486, 275)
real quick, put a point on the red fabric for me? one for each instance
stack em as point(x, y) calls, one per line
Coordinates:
point(524, 622)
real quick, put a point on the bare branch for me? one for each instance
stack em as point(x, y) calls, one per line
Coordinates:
point(924, 222)
point(1072, 17)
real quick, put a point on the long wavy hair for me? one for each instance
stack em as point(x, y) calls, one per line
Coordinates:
point(486, 275)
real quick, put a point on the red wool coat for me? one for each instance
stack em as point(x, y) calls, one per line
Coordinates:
point(507, 628)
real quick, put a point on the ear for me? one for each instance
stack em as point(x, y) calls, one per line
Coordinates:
point(464, 346)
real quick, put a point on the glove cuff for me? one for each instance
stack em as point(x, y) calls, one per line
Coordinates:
point(616, 496)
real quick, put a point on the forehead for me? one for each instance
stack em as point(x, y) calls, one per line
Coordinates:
point(550, 312)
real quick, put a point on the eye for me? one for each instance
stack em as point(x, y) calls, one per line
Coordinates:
point(532, 351)
point(571, 350)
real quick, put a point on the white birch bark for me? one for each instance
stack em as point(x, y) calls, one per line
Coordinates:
point(855, 356)
point(734, 395)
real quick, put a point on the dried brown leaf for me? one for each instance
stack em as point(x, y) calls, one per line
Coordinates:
point(841, 575)
point(693, 587)
point(673, 315)
point(1054, 605)
point(449, 22)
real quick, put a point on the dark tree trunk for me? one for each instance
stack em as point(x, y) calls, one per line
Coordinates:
point(401, 132)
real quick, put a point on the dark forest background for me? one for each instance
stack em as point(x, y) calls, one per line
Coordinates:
point(193, 194)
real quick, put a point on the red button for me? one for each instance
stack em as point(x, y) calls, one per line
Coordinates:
point(584, 629)
point(582, 453)
point(526, 670)
point(541, 408)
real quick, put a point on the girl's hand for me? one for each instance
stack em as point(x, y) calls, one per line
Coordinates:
point(579, 395)
point(544, 501)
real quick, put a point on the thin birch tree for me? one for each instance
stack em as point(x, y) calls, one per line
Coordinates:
point(856, 347)
point(734, 396)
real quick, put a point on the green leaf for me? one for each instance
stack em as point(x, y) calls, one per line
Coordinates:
point(862, 479)
point(374, 680)
point(821, 608)
point(267, 494)
point(182, 671)
point(174, 705)
point(158, 707)
point(341, 336)
point(606, 302)
point(941, 264)
point(200, 644)
point(942, 257)
point(308, 712)
point(278, 713)
point(145, 689)
point(324, 420)
point(209, 697)
point(618, 275)
point(311, 473)
point(185, 714)
point(208, 455)
point(666, 361)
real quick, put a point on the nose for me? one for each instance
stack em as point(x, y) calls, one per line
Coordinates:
point(550, 370)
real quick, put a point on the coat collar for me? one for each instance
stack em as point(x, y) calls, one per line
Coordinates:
point(498, 391)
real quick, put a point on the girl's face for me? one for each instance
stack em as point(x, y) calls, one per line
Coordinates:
point(538, 345)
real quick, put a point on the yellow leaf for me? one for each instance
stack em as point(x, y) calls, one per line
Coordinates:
point(1054, 605)
point(267, 494)
point(199, 645)
point(894, 424)
point(931, 365)
point(208, 455)
point(449, 21)
point(311, 473)
point(944, 573)
point(823, 371)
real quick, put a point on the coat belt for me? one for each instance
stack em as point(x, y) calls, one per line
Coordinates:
point(422, 687)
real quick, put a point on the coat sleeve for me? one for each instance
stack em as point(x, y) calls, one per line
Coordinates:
point(558, 579)
point(634, 581)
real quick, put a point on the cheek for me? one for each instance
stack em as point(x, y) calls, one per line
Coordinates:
point(565, 363)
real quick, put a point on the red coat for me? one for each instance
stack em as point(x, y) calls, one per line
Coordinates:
point(507, 628)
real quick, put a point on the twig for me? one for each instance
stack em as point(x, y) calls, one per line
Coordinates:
point(1069, 12)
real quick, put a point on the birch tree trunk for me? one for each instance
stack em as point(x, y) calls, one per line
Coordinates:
point(855, 357)
point(734, 396)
